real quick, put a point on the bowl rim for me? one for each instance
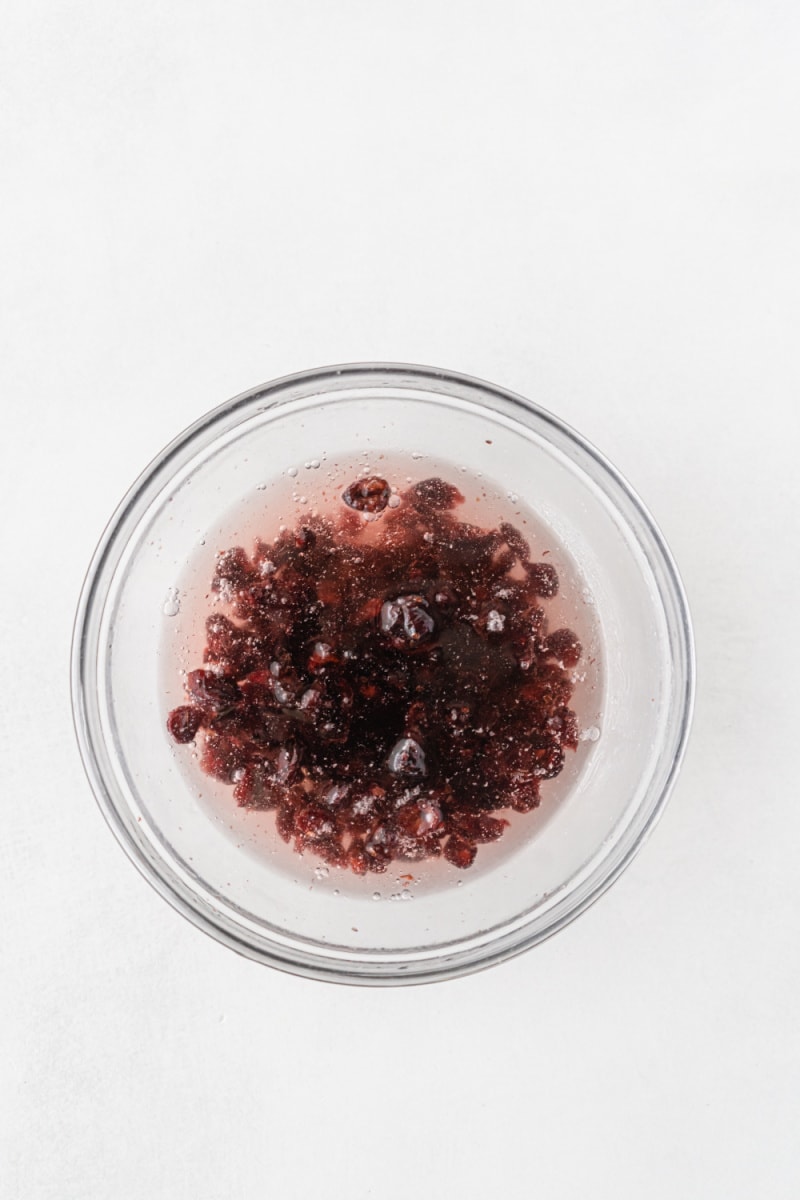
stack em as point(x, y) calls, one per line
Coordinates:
point(90, 607)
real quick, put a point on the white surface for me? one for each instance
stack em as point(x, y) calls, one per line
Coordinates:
point(593, 203)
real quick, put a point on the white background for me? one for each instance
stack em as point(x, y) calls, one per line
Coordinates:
point(593, 203)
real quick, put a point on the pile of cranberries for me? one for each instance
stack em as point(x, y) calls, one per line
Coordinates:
point(388, 684)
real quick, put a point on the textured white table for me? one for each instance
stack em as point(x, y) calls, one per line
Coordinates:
point(595, 204)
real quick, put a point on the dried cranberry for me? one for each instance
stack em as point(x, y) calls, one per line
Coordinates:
point(564, 646)
point(222, 756)
point(211, 691)
point(183, 722)
point(233, 570)
point(330, 851)
point(255, 789)
point(543, 577)
point(478, 827)
point(515, 541)
point(312, 823)
point(459, 852)
point(434, 495)
point(420, 818)
point(522, 792)
point(369, 495)
point(284, 822)
point(548, 759)
point(357, 859)
point(222, 635)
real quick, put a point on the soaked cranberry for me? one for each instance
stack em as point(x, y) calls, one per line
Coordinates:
point(434, 495)
point(212, 692)
point(357, 859)
point(368, 495)
point(515, 542)
point(312, 823)
point(183, 722)
point(420, 818)
point(543, 577)
point(563, 646)
point(233, 570)
point(284, 822)
point(459, 851)
point(255, 788)
point(223, 756)
point(523, 792)
point(389, 696)
point(478, 827)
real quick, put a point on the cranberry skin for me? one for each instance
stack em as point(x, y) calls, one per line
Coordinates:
point(459, 852)
point(183, 723)
point(407, 622)
point(544, 579)
point(434, 495)
point(564, 646)
point(369, 495)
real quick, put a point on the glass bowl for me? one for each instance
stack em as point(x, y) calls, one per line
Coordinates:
point(284, 909)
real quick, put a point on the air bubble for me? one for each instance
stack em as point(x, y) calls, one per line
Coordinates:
point(376, 895)
point(321, 872)
point(261, 487)
point(417, 455)
point(393, 502)
point(292, 471)
point(172, 604)
point(590, 735)
point(513, 497)
point(312, 464)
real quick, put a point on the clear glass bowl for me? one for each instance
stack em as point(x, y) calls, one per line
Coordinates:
point(325, 926)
